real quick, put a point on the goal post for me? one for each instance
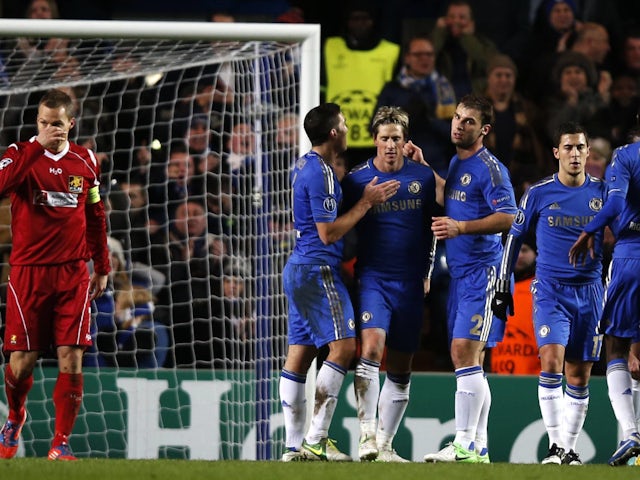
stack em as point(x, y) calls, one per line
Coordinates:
point(200, 232)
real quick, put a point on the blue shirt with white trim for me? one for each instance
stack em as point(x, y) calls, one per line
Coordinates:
point(316, 195)
point(476, 187)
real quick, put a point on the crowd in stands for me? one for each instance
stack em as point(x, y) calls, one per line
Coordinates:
point(182, 217)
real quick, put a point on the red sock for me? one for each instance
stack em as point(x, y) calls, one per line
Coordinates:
point(67, 398)
point(16, 391)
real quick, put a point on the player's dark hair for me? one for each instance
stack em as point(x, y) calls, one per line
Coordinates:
point(568, 128)
point(481, 104)
point(57, 98)
point(319, 122)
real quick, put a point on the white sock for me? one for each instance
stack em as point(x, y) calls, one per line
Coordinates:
point(576, 404)
point(366, 384)
point(294, 407)
point(619, 385)
point(470, 393)
point(394, 399)
point(550, 399)
point(328, 383)
point(635, 390)
point(482, 435)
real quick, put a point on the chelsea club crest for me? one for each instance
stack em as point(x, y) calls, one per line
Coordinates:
point(415, 187)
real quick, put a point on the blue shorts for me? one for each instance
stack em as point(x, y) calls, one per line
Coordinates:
point(469, 312)
point(320, 309)
point(394, 306)
point(568, 315)
point(622, 299)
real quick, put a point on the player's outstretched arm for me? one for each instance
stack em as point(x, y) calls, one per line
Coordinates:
point(446, 227)
point(374, 194)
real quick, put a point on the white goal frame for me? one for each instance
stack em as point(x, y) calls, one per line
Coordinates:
point(307, 35)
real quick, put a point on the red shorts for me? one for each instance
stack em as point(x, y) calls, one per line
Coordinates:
point(47, 306)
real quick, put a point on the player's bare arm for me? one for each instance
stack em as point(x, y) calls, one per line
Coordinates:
point(583, 245)
point(414, 152)
point(446, 227)
point(374, 194)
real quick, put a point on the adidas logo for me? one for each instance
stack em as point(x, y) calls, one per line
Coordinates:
point(554, 206)
point(499, 302)
point(627, 392)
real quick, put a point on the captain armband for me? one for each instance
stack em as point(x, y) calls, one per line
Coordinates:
point(93, 196)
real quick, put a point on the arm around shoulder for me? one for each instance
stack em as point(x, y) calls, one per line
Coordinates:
point(374, 194)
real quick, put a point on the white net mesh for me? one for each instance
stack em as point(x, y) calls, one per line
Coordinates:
point(196, 138)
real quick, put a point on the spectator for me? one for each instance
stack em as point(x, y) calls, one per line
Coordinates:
point(513, 138)
point(592, 40)
point(577, 96)
point(111, 308)
point(128, 111)
point(143, 234)
point(281, 164)
point(621, 115)
point(38, 49)
point(126, 333)
point(506, 24)
point(234, 330)
point(359, 49)
point(205, 96)
point(554, 27)
point(630, 53)
point(427, 97)
point(195, 291)
point(461, 52)
point(166, 193)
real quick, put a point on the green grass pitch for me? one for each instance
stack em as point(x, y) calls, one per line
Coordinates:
point(112, 469)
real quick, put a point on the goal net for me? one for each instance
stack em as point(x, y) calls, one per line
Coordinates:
point(196, 126)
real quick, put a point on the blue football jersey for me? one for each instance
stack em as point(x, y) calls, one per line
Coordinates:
point(557, 214)
point(316, 197)
point(394, 237)
point(476, 188)
point(623, 179)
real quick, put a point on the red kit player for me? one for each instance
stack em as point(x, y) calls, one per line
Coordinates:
point(58, 224)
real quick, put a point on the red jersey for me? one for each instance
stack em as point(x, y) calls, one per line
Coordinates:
point(54, 217)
